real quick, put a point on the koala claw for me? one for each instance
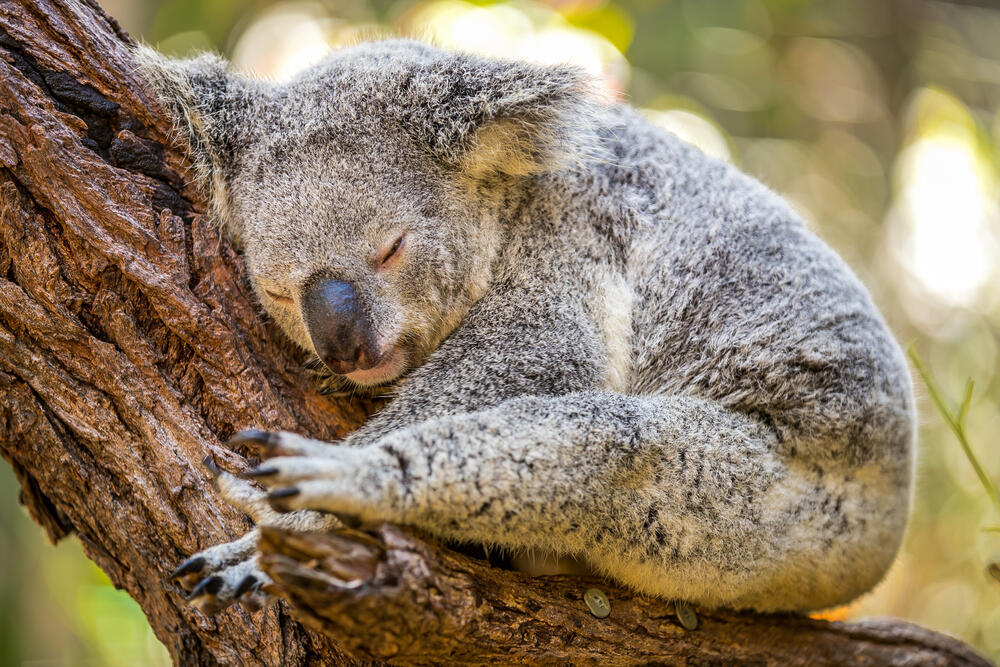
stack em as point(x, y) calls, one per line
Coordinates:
point(349, 520)
point(205, 596)
point(213, 467)
point(281, 443)
point(192, 565)
point(248, 582)
point(240, 582)
point(209, 586)
point(254, 473)
point(276, 498)
point(255, 439)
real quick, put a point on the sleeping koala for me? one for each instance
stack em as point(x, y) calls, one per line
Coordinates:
point(603, 346)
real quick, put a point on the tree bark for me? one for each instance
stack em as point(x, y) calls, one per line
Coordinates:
point(131, 347)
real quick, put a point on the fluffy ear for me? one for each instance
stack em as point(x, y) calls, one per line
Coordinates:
point(211, 109)
point(489, 117)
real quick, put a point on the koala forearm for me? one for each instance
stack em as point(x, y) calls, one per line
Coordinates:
point(578, 450)
point(673, 495)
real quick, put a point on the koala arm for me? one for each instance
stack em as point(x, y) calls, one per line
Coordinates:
point(672, 495)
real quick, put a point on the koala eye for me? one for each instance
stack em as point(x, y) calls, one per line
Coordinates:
point(393, 250)
point(280, 298)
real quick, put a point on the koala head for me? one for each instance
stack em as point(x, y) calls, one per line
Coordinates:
point(365, 192)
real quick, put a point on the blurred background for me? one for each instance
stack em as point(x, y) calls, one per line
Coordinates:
point(878, 120)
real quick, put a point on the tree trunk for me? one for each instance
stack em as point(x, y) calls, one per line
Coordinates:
point(131, 347)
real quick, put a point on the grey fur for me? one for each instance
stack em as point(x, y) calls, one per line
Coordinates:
point(617, 349)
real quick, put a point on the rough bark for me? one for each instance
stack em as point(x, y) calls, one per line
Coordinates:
point(130, 347)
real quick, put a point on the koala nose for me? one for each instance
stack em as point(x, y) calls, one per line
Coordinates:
point(339, 330)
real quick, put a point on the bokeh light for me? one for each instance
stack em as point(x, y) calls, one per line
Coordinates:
point(522, 30)
point(283, 41)
point(692, 128)
point(947, 207)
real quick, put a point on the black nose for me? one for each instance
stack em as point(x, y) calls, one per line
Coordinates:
point(339, 329)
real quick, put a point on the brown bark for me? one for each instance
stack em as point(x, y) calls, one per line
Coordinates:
point(130, 347)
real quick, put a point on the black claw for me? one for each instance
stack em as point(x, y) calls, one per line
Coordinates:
point(245, 585)
point(251, 603)
point(254, 438)
point(190, 566)
point(260, 472)
point(276, 497)
point(209, 586)
point(213, 608)
point(209, 462)
point(349, 520)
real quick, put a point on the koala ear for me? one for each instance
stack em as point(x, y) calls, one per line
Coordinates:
point(211, 108)
point(490, 117)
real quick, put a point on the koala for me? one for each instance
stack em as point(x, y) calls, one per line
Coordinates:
point(604, 349)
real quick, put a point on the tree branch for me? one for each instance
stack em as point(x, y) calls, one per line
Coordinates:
point(131, 347)
point(387, 595)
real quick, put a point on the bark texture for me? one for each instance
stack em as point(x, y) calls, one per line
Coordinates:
point(131, 347)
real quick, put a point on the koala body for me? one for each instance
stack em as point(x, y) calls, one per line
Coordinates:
point(602, 344)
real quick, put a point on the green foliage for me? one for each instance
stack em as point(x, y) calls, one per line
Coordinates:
point(57, 607)
point(608, 20)
point(956, 421)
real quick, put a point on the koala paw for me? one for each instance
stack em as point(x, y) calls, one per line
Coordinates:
point(221, 575)
point(304, 474)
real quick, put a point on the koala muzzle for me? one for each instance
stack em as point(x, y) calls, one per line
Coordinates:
point(338, 327)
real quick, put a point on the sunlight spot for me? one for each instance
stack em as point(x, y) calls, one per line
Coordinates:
point(523, 31)
point(693, 129)
point(946, 207)
point(282, 42)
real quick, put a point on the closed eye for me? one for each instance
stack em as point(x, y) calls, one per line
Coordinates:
point(393, 251)
point(280, 298)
